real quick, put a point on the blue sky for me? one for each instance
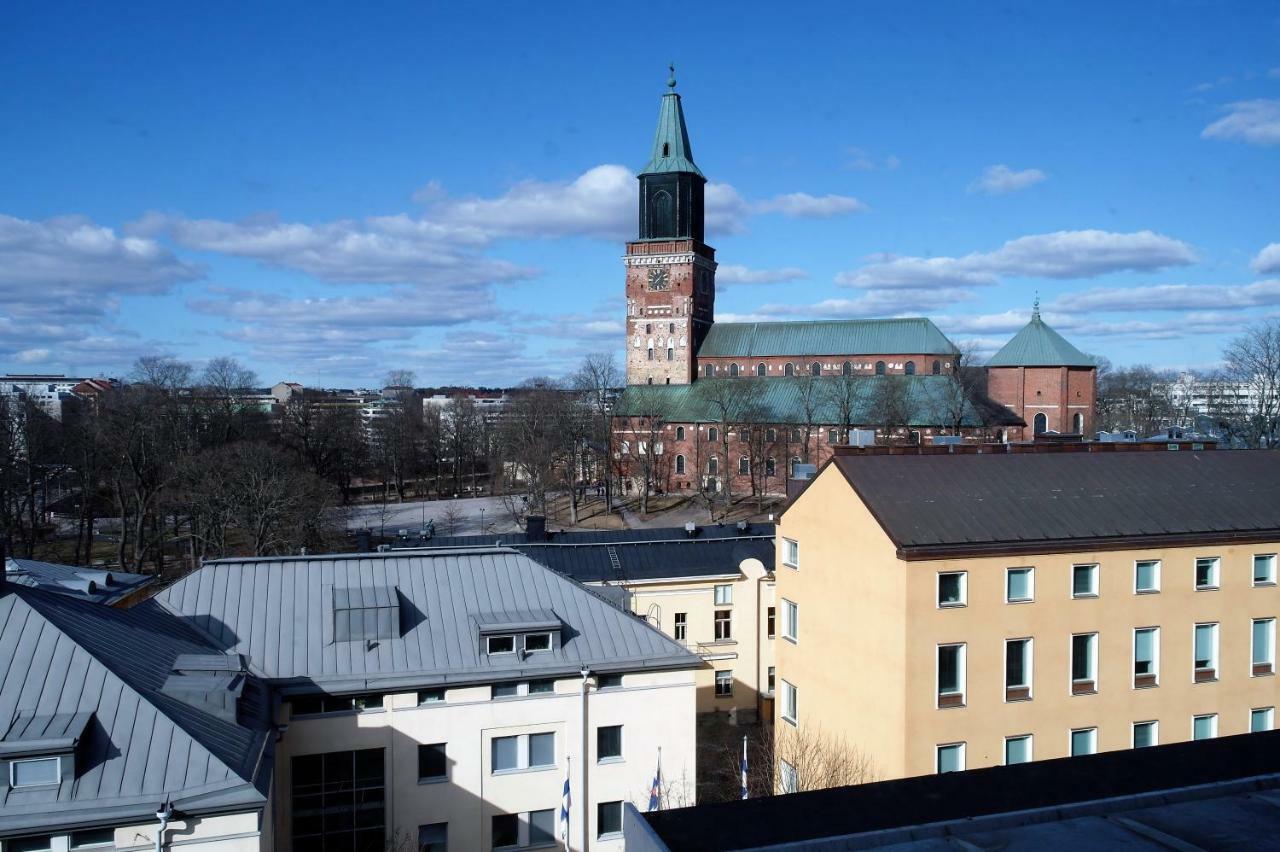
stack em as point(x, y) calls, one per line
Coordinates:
point(327, 191)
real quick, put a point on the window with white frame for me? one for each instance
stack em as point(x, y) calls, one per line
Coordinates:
point(1084, 663)
point(1084, 581)
point(1264, 646)
point(500, 644)
point(790, 700)
point(724, 594)
point(952, 588)
point(35, 772)
point(790, 553)
point(433, 762)
point(1084, 741)
point(1264, 569)
point(724, 683)
point(788, 778)
point(1017, 749)
point(534, 642)
point(790, 620)
point(524, 751)
point(609, 819)
point(1146, 734)
point(1146, 576)
point(1017, 670)
point(1019, 585)
point(608, 743)
point(950, 758)
point(1261, 719)
point(1207, 573)
point(681, 627)
point(771, 679)
point(1146, 657)
point(94, 838)
point(723, 625)
point(1205, 653)
point(1204, 727)
point(951, 675)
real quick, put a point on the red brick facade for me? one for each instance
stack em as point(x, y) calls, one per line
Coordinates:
point(829, 365)
point(1063, 397)
point(671, 296)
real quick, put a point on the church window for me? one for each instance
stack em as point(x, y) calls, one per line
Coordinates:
point(1041, 423)
point(650, 353)
point(650, 381)
point(671, 328)
point(879, 368)
point(744, 465)
point(846, 369)
point(625, 448)
point(788, 369)
point(733, 371)
point(1078, 422)
point(713, 465)
point(679, 433)
point(910, 368)
point(771, 435)
point(680, 464)
point(937, 367)
point(671, 354)
point(662, 219)
point(666, 149)
point(815, 369)
point(761, 369)
point(713, 434)
point(648, 328)
point(770, 467)
point(795, 460)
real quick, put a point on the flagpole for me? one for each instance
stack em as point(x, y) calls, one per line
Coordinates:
point(744, 766)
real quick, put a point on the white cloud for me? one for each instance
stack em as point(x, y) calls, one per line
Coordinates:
point(1268, 260)
point(1172, 297)
point(915, 273)
point(734, 274)
point(1001, 180)
point(874, 304)
point(861, 160)
point(802, 205)
point(1256, 122)
point(411, 307)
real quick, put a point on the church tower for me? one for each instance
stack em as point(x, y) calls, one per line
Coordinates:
point(671, 273)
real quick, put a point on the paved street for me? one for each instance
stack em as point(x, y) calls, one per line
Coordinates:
point(469, 513)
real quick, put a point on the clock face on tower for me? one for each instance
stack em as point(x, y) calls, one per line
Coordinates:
point(659, 278)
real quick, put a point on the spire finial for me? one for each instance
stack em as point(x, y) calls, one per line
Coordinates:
point(1035, 308)
point(671, 81)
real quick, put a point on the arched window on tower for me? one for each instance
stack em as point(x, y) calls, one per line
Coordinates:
point(666, 149)
point(680, 464)
point(770, 467)
point(1077, 423)
point(910, 368)
point(937, 366)
point(671, 354)
point(788, 369)
point(879, 368)
point(650, 353)
point(815, 369)
point(761, 369)
point(713, 434)
point(744, 465)
point(846, 369)
point(662, 215)
point(1041, 423)
point(679, 433)
point(771, 435)
point(733, 371)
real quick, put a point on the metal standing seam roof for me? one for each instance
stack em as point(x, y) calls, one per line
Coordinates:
point(780, 401)
point(62, 660)
point(1036, 502)
point(77, 581)
point(1038, 345)
point(851, 337)
point(672, 133)
point(277, 611)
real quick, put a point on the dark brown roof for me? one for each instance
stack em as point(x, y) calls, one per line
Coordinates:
point(933, 506)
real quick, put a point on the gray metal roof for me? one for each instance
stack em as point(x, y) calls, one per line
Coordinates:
point(277, 612)
point(77, 581)
point(905, 336)
point(1034, 502)
point(62, 660)
point(1038, 345)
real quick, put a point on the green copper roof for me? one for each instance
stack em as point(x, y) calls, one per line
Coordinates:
point(927, 401)
point(671, 149)
point(910, 336)
point(1037, 345)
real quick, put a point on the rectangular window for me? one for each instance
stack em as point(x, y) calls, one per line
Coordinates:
point(501, 644)
point(609, 681)
point(609, 742)
point(951, 588)
point(771, 679)
point(724, 683)
point(40, 843)
point(791, 620)
point(1146, 576)
point(724, 624)
point(950, 758)
point(771, 620)
point(1206, 652)
point(790, 700)
point(506, 753)
point(432, 765)
point(788, 777)
point(1019, 585)
point(534, 642)
point(1261, 719)
point(724, 594)
point(1146, 657)
point(1017, 670)
point(542, 826)
point(339, 800)
point(433, 837)
point(1146, 734)
point(1017, 750)
point(34, 772)
point(506, 831)
point(1207, 573)
point(1084, 663)
point(1084, 741)
point(608, 819)
point(504, 690)
point(92, 837)
point(1264, 646)
point(542, 687)
point(1264, 569)
point(1204, 727)
point(1084, 581)
point(951, 675)
point(790, 553)
point(542, 750)
point(682, 626)
point(430, 696)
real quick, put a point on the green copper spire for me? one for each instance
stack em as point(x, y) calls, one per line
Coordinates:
point(671, 149)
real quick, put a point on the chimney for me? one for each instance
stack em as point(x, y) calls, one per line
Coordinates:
point(535, 527)
point(691, 529)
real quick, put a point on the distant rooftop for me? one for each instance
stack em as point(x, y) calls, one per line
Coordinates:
point(906, 336)
point(78, 581)
point(1038, 345)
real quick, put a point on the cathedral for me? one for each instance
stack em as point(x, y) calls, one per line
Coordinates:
point(710, 406)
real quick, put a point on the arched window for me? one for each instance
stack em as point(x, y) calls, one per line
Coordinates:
point(666, 149)
point(650, 381)
point(744, 435)
point(648, 328)
point(744, 465)
point(680, 464)
point(761, 369)
point(796, 436)
point(795, 460)
point(1041, 423)
point(733, 371)
point(846, 369)
point(915, 437)
point(671, 354)
point(671, 327)
point(662, 215)
point(679, 433)
point(815, 369)
point(1078, 423)
point(650, 353)
point(937, 366)
point(713, 434)
point(788, 370)
point(625, 447)
point(770, 467)
point(708, 370)
point(771, 435)
point(713, 465)
point(879, 368)
point(910, 368)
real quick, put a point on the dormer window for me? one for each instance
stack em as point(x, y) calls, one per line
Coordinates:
point(666, 149)
point(40, 748)
point(501, 644)
point(35, 772)
point(537, 642)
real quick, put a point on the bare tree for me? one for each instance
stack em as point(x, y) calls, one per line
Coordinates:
point(597, 379)
point(842, 395)
point(811, 399)
point(642, 430)
point(820, 761)
point(399, 379)
point(533, 441)
point(451, 516)
point(1253, 359)
point(728, 401)
point(890, 405)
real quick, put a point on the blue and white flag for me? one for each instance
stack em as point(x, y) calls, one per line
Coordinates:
point(655, 789)
point(744, 767)
point(564, 809)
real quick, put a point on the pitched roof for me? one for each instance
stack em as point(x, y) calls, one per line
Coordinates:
point(935, 505)
point(671, 149)
point(905, 336)
point(1037, 345)
point(927, 401)
point(93, 584)
point(279, 613)
point(62, 660)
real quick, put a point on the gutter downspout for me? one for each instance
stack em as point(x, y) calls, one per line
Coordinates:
point(586, 795)
point(164, 815)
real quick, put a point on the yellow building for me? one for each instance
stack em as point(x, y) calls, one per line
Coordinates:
point(944, 612)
